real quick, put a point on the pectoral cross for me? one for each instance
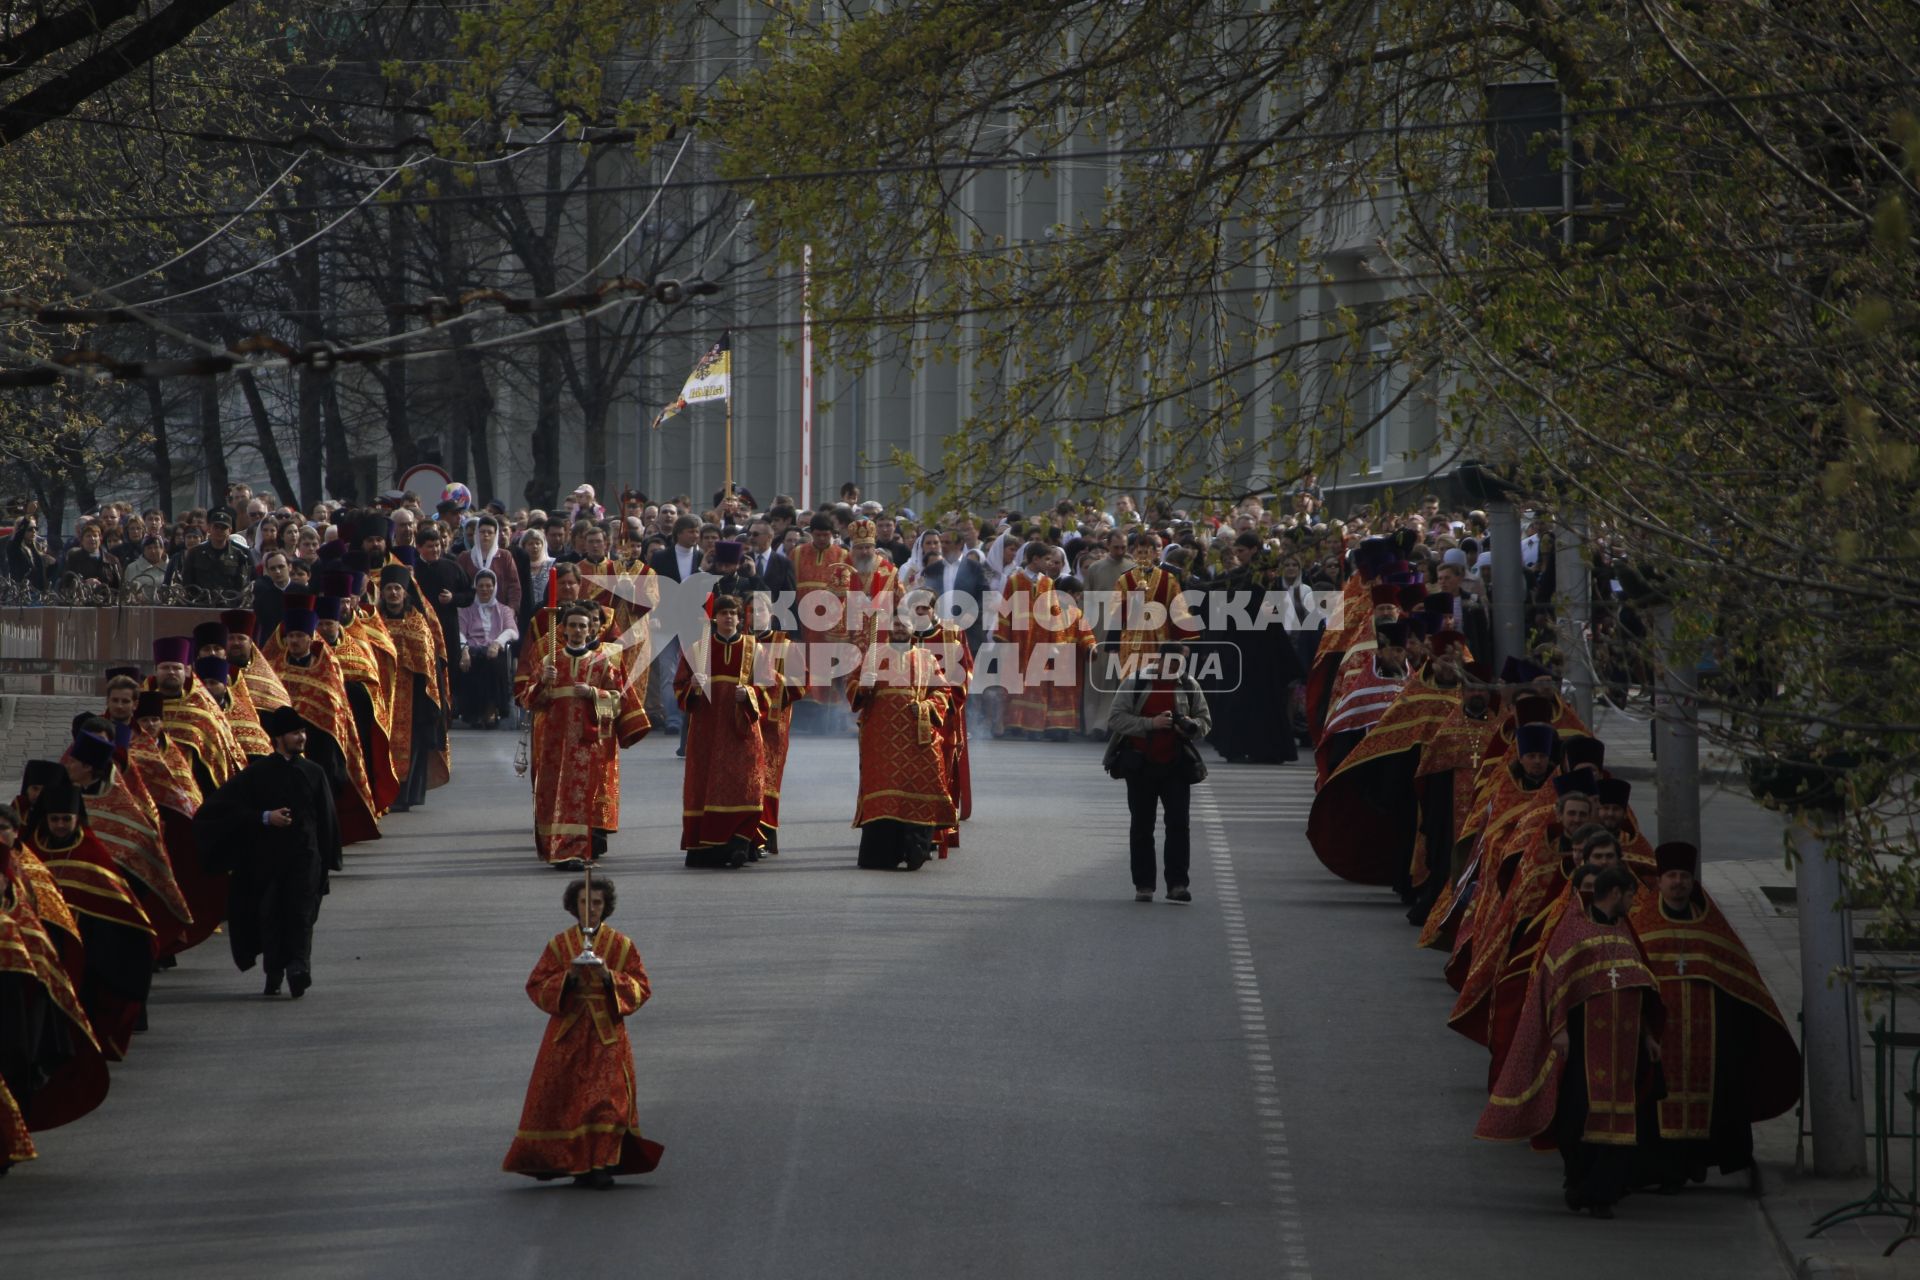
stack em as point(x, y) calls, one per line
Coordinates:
point(1681, 966)
point(1613, 978)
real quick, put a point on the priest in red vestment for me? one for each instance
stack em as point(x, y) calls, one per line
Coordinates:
point(773, 650)
point(1730, 1060)
point(305, 663)
point(581, 1118)
point(1367, 686)
point(723, 797)
point(123, 816)
point(822, 574)
point(117, 934)
point(1584, 1055)
point(586, 710)
point(906, 796)
point(52, 1063)
point(167, 775)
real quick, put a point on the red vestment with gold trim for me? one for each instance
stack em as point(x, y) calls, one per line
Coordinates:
point(581, 1112)
point(114, 986)
point(774, 650)
point(1600, 969)
point(901, 701)
point(319, 694)
point(831, 572)
point(724, 793)
point(165, 772)
point(1693, 959)
point(79, 1083)
point(582, 718)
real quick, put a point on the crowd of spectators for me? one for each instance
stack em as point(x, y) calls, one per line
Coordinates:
point(254, 544)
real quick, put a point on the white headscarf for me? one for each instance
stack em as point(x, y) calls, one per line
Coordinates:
point(998, 573)
point(916, 565)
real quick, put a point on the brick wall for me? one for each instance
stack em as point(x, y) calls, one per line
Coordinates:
point(35, 726)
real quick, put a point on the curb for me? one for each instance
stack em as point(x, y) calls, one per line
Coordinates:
point(1819, 1266)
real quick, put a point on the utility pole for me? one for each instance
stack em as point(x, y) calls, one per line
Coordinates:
point(1829, 1011)
point(1509, 582)
point(1676, 737)
point(1576, 608)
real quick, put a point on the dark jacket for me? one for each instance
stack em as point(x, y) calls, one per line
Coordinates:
point(287, 865)
point(969, 579)
point(225, 573)
point(24, 562)
point(81, 566)
point(445, 574)
point(666, 563)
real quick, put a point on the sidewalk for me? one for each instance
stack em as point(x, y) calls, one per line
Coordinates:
point(1743, 858)
point(1792, 1201)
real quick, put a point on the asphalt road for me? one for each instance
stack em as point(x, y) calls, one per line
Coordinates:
point(998, 1066)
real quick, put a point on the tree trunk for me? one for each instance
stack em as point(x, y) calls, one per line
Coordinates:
point(474, 417)
point(307, 386)
point(213, 450)
point(543, 490)
point(162, 454)
point(52, 493)
point(312, 445)
point(340, 481)
point(263, 433)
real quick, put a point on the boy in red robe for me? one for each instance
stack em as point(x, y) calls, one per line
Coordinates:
point(581, 1119)
point(723, 794)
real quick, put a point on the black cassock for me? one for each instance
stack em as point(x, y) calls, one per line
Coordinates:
point(279, 874)
point(1253, 721)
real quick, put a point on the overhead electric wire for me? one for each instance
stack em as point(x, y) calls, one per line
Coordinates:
point(78, 365)
point(218, 231)
point(1054, 159)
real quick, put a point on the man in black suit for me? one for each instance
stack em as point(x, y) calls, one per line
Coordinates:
point(768, 563)
point(945, 578)
point(681, 560)
point(272, 826)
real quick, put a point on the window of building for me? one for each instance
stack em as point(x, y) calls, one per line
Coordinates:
point(1378, 401)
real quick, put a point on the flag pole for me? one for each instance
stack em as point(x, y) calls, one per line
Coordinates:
point(726, 488)
point(806, 377)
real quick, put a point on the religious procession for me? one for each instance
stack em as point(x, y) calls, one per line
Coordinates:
point(1625, 1022)
point(975, 616)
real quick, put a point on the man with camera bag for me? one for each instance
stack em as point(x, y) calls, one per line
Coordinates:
point(1158, 715)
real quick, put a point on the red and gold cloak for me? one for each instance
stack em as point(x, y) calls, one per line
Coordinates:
point(902, 700)
point(419, 650)
point(723, 796)
point(831, 572)
point(197, 724)
point(243, 718)
point(1364, 816)
point(359, 657)
point(772, 652)
point(126, 821)
point(164, 771)
point(79, 1084)
point(263, 686)
point(1693, 958)
point(1600, 967)
point(319, 694)
point(93, 886)
point(581, 1112)
point(1150, 611)
point(581, 721)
